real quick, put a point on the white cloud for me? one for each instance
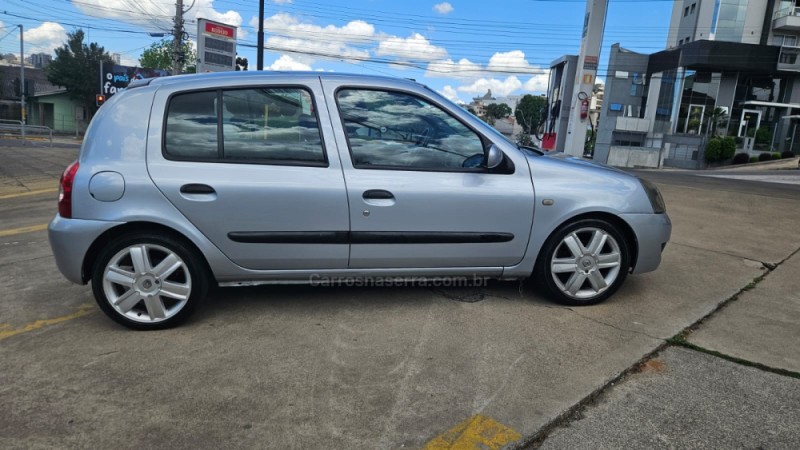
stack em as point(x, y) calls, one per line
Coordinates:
point(289, 34)
point(283, 2)
point(500, 88)
point(511, 62)
point(415, 47)
point(443, 8)
point(157, 15)
point(45, 38)
point(463, 69)
point(286, 62)
point(451, 94)
point(537, 83)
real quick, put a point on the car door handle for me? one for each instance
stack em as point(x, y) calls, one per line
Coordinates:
point(197, 188)
point(378, 194)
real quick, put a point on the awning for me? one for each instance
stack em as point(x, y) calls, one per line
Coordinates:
point(772, 104)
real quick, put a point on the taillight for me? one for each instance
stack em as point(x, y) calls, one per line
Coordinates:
point(65, 190)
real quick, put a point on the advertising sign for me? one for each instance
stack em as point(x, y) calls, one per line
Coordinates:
point(116, 78)
point(216, 46)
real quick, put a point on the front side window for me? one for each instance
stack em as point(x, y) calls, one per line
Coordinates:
point(257, 125)
point(398, 130)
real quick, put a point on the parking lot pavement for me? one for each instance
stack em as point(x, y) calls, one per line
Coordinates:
point(347, 367)
point(32, 168)
point(687, 399)
point(763, 325)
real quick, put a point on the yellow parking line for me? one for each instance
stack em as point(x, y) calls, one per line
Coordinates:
point(27, 193)
point(477, 432)
point(5, 332)
point(22, 230)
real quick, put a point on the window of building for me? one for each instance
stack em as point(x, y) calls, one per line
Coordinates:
point(258, 125)
point(399, 130)
point(788, 58)
point(693, 6)
point(680, 42)
point(686, 12)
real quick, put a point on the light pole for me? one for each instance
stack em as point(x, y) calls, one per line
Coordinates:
point(23, 112)
point(260, 55)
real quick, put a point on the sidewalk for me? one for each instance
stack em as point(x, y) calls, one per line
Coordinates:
point(736, 386)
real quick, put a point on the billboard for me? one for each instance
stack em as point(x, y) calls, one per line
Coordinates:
point(216, 46)
point(116, 78)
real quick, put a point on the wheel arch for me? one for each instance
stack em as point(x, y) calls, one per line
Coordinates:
point(621, 224)
point(137, 227)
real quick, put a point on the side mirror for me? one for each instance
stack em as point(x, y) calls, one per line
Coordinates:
point(494, 158)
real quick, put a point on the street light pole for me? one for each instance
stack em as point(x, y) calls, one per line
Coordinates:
point(260, 54)
point(23, 111)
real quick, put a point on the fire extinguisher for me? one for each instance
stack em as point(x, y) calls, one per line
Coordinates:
point(584, 108)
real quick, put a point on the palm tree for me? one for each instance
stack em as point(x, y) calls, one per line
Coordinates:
point(717, 116)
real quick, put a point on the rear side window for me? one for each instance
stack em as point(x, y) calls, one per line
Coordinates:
point(270, 125)
point(257, 125)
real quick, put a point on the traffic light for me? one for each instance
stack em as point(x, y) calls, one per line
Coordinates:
point(99, 99)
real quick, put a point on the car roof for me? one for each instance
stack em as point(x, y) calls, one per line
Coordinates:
point(253, 74)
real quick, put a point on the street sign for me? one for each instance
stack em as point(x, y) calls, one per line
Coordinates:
point(216, 46)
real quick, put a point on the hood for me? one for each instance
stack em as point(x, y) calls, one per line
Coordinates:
point(569, 159)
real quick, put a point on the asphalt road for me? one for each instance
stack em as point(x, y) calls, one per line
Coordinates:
point(357, 367)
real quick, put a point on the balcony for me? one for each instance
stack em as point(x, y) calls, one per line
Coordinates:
point(632, 124)
point(787, 19)
point(789, 59)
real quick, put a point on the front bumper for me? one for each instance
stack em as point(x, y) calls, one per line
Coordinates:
point(652, 234)
point(70, 240)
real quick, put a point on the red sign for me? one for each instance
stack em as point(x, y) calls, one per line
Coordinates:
point(219, 30)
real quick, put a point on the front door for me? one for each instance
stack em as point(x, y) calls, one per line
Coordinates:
point(418, 196)
point(248, 166)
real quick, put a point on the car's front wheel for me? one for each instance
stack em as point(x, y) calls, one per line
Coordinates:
point(148, 281)
point(583, 263)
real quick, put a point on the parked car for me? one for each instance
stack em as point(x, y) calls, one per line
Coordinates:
point(245, 178)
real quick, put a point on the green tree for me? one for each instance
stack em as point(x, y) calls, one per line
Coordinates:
point(77, 68)
point(498, 110)
point(159, 56)
point(529, 112)
point(241, 63)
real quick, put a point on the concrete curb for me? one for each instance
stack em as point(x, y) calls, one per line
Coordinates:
point(790, 163)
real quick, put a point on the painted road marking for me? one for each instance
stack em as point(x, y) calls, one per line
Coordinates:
point(27, 193)
point(6, 331)
point(477, 432)
point(22, 230)
point(783, 179)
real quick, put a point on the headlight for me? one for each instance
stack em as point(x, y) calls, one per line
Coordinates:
point(656, 200)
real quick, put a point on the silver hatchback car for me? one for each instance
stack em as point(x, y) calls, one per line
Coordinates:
point(269, 177)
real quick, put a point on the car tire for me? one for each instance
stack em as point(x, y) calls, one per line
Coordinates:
point(149, 281)
point(583, 262)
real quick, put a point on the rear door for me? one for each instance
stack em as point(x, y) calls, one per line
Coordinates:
point(250, 167)
point(417, 196)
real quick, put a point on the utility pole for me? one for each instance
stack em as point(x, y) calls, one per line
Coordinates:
point(177, 53)
point(23, 110)
point(260, 58)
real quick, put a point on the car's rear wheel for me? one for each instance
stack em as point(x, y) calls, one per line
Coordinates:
point(583, 263)
point(148, 281)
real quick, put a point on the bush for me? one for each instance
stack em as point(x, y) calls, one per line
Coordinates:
point(776, 155)
point(787, 154)
point(741, 158)
point(728, 148)
point(754, 159)
point(714, 150)
point(765, 157)
point(763, 135)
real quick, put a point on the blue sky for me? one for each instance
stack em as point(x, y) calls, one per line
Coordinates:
point(458, 47)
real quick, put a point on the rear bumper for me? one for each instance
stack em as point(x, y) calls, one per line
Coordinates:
point(652, 234)
point(70, 239)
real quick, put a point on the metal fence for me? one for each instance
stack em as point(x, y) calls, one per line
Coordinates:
point(15, 129)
